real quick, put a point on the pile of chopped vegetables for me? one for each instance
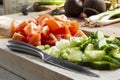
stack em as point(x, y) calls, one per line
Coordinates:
point(45, 29)
point(95, 51)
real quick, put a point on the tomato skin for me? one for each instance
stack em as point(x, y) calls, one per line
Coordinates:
point(53, 25)
point(74, 27)
point(62, 30)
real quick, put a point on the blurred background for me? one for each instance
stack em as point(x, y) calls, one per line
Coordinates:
point(1, 7)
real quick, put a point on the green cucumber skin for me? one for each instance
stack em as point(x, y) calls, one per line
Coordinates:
point(103, 65)
point(111, 60)
point(50, 3)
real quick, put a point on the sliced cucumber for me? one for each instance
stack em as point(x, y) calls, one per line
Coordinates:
point(102, 43)
point(111, 60)
point(75, 55)
point(103, 65)
point(117, 56)
point(89, 47)
point(93, 55)
point(111, 38)
point(100, 35)
point(51, 2)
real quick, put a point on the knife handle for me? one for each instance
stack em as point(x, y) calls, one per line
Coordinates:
point(24, 47)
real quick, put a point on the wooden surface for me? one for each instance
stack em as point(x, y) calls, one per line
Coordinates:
point(32, 68)
point(113, 29)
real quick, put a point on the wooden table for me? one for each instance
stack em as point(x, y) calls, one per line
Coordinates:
point(26, 67)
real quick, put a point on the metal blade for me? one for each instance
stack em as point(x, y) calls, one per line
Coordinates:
point(70, 66)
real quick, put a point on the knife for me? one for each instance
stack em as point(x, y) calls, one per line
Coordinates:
point(27, 48)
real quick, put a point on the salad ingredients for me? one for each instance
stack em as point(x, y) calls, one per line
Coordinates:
point(45, 29)
point(95, 51)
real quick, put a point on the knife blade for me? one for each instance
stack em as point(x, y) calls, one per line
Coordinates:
point(24, 47)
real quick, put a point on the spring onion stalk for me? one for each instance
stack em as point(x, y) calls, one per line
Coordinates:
point(96, 18)
point(106, 22)
point(105, 18)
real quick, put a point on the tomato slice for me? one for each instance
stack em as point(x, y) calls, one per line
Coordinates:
point(21, 27)
point(53, 25)
point(74, 27)
point(34, 39)
point(19, 37)
point(31, 28)
point(63, 36)
point(45, 32)
point(79, 33)
point(51, 40)
point(62, 30)
point(13, 26)
point(61, 18)
point(32, 20)
point(41, 20)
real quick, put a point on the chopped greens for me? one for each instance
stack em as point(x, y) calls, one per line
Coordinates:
point(95, 51)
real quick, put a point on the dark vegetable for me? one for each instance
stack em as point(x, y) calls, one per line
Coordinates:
point(73, 7)
point(92, 7)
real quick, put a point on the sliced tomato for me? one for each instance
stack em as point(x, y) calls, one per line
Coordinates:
point(60, 18)
point(53, 25)
point(51, 40)
point(31, 28)
point(74, 27)
point(34, 39)
point(32, 20)
point(41, 20)
point(62, 30)
point(79, 33)
point(63, 36)
point(19, 37)
point(21, 27)
point(13, 26)
point(45, 32)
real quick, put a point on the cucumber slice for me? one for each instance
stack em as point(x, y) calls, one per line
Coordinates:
point(93, 55)
point(111, 60)
point(75, 55)
point(51, 2)
point(102, 43)
point(117, 56)
point(113, 52)
point(103, 65)
point(111, 39)
point(89, 47)
point(100, 35)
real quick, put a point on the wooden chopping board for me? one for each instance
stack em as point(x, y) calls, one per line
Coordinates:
point(112, 29)
point(52, 72)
